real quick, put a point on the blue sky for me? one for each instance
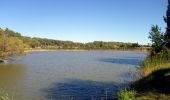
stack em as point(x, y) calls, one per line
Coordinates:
point(84, 20)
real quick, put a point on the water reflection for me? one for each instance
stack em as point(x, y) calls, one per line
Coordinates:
point(74, 89)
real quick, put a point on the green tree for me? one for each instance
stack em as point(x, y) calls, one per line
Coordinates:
point(16, 46)
point(167, 20)
point(157, 39)
point(34, 43)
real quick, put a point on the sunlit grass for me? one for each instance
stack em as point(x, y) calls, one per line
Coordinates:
point(126, 94)
point(5, 96)
point(157, 62)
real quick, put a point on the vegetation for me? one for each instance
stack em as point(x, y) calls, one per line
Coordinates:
point(154, 85)
point(126, 94)
point(159, 55)
point(160, 51)
point(14, 43)
point(5, 96)
point(10, 43)
point(167, 20)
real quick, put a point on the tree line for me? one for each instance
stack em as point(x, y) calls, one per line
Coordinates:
point(12, 42)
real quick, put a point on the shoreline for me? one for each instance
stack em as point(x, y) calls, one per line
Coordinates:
point(43, 50)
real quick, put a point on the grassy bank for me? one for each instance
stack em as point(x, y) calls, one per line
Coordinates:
point(154, 85)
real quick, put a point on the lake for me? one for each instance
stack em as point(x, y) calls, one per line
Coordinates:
point(69, 75)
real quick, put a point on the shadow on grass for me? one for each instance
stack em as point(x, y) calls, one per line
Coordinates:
point(158, 81)
point(74, 89)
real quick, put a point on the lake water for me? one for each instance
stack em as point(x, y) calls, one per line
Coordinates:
point(69, 75)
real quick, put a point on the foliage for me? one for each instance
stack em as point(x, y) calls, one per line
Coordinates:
point(157, 39)
point(126, 94)
point(10, 43)
point(167, 20)
point(154, 85)
point(159, 54)
point(14, 43)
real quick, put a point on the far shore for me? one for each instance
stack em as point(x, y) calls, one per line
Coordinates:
point(3, 60)
point(42, 50)
point(39, 50)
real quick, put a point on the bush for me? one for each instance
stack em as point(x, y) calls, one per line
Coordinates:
point(159, 60)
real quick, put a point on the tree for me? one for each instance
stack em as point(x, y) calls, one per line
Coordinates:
point(15, 46)
point(157, 39)
point(1, 42)
point(167, 20)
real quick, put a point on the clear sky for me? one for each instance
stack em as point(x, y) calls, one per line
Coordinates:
point(84, 20)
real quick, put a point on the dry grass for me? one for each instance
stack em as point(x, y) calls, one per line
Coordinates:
point(148, 70)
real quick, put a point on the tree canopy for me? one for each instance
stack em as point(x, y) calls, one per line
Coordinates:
point(12, 42)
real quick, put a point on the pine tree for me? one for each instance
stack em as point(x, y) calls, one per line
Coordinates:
point(167, 20)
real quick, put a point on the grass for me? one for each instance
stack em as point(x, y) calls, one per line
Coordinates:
point(151, 64)
point(148, 70)
point(5, 96)
point(155, 83)
point(154, 86)
point(152, 95)
point(126, 94)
